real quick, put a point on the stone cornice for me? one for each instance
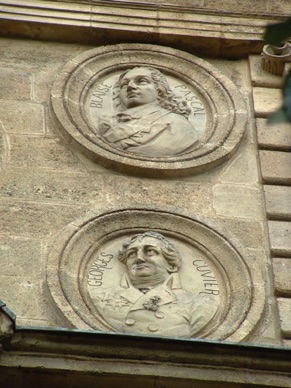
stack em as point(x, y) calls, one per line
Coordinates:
point(142, 16)
point(103, 355)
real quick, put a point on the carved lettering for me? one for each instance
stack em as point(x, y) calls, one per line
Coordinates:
point(97, 96)
point(210, 292)
point(193, 100)
point(208, 278)
point(95, 104)
point(95, 277)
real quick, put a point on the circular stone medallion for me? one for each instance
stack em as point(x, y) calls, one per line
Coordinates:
point(150, 109)
point(217, 292)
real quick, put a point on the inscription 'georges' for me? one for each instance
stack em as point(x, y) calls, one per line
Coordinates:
point(96, 272)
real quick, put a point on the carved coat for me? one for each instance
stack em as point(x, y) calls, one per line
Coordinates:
point(166, 310)
point(148, 130)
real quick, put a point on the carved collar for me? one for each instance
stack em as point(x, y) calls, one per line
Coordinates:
point(173, 282)
point(140, 111)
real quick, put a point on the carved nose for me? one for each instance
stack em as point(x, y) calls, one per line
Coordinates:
point(131, 85)
point(140, 259)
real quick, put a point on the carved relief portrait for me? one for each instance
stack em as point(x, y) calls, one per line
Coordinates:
point(149, 296)
point(150, 118)
point(154, 273)
point(146, 108)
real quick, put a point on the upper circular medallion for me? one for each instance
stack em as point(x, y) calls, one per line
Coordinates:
point(149, 108)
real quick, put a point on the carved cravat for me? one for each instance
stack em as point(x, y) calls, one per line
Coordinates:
point(158, 130)
point(152, 304)
point(123, 117)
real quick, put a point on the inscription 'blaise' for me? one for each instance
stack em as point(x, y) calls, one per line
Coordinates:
point(150, 118)
point(150, 297)
point(97, 96)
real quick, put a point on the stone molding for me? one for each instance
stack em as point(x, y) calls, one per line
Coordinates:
point(175, 17)
point(37, 355)
point(225, 108)
point(75, 249)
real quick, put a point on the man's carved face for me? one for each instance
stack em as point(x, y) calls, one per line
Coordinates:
point(144, 257)
point(137, 88)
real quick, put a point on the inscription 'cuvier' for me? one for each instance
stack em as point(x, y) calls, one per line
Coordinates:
point(211, 286)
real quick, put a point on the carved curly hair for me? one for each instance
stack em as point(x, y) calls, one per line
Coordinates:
point(166, 97)
point(169, 250)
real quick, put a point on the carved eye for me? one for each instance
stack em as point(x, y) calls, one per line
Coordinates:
point(143, 81)
point(131, 254)
point(151, 252)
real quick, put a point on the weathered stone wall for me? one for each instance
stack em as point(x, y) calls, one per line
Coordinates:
point(46, 184)
point(40, 176)
point(274, 144)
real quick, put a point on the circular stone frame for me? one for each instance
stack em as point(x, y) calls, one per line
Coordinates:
point(72, 250)
point(225, 107)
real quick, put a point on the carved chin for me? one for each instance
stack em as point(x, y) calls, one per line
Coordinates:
point(152, 275)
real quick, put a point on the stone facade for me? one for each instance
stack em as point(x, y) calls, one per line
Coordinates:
point(274, 145)
point(57, 185)
point(65, 198)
